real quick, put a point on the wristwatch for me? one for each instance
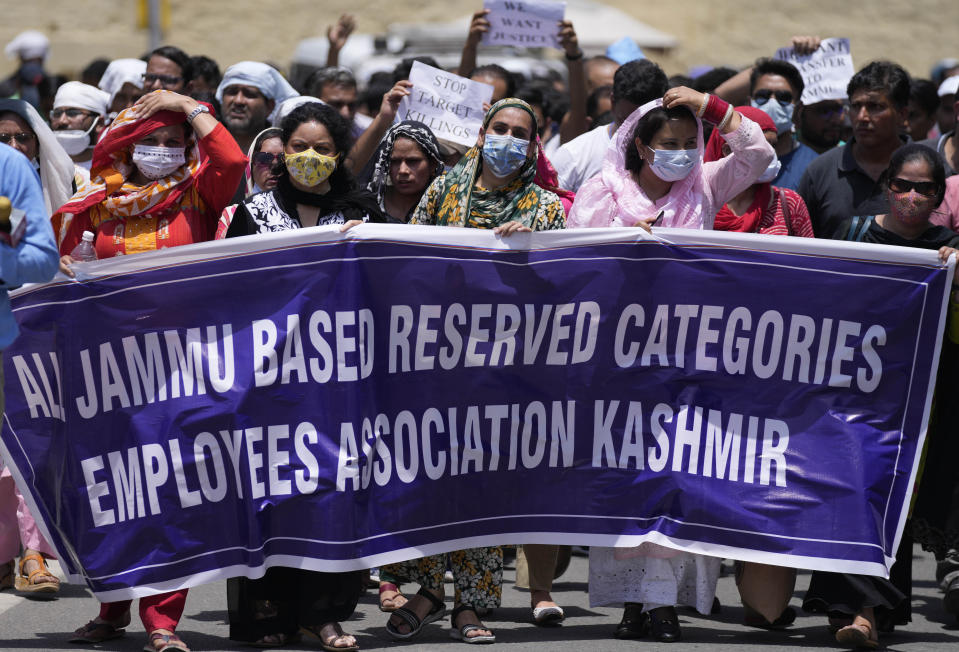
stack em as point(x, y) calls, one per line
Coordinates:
point(195, 112)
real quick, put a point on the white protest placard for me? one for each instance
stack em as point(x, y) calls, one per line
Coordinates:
point(826, 72)
point(450, 105)
point(524, 23)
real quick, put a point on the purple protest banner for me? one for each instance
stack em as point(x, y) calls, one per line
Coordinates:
point(336, 402)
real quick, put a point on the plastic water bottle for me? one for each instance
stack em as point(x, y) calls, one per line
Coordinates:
point(85, 252)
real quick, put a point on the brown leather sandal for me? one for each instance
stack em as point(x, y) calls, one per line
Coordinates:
point(25, 583)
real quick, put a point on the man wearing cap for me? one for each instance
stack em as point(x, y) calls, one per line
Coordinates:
point(77, 119)
point(248, 93)
point(946, 143)
point(28, 82)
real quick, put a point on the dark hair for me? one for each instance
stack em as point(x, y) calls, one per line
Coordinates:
point(177, 56)
point(206, 68)
point(94, 71)
point(647, 128)
point(639, 82)
point(210, 98)
point(884, 76)
point(341, 181)
point(265, 135)
point(767, 66)
point(335, 75)
point(555, 104)
point(709, 80)
point(372, 95)
point(916, 152)
point(926, 94)
point(592, 101)
point(680, 80)
point(532, 94)
point(498, 71)
point(403, 68)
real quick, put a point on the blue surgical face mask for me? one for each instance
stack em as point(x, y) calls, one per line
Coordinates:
point(782, 116)
point(504, 154)
point(673, 164)
point(770, 172)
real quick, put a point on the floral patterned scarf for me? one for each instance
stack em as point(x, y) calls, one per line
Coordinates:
point(456, 201)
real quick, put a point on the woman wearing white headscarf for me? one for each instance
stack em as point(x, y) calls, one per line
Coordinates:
point(48, 157)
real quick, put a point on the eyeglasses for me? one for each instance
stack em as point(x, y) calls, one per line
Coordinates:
point(22, 138)
point(266, 160)
point(783, 97)
point(73, 114)
point(827, 111)
point(925, 188)
point(165, 80)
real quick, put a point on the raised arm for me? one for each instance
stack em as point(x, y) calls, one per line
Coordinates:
point(366, 144)
point(478, 26)
point(337, 35)
point(575, 123)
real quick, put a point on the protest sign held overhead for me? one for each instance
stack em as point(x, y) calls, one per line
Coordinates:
point(531, 24)
point(450, 105)
point(826, 72)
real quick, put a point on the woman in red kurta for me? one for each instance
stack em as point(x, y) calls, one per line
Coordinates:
point(139, 198)
point(161, 176)
point(761, 208)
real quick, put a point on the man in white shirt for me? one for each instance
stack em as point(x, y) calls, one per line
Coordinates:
point(634, 84)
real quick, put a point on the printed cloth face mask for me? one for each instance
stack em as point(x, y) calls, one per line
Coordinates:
point(673, 164)
point(504, 154)
point(782, 116)
point(910, 207)
point(310, 168)
point(158, 162)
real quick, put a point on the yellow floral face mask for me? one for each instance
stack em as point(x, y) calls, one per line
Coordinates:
point(310, 168)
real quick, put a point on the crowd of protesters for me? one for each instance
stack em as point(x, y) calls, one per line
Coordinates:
point(165, 151)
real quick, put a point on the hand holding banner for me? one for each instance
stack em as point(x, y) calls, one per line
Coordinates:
point(450, 105)
point(524, 23)
point(825, 72)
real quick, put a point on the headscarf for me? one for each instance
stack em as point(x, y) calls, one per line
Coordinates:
point(417, 132)
point(286, 107)
point(548, 179)
point(261, 76)
point(56, 166)
point(77, 95)
point(120, 72)
point(112, 166)
point(462, 204)
point(614, 192)
point(726, 219)
point(274, 132)
point(30, 44)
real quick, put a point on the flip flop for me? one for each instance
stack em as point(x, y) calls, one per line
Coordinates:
point(389, 586)
point(314, 633)
point(857, 636)
point(94, 632)
point(165, 643)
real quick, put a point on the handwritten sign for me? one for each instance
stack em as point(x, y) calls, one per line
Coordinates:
point(524, 23)
point(450, 105)
point(826, 72)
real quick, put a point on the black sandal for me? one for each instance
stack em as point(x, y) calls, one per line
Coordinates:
point(437, 611)
point(635, 623)
point(462, 633)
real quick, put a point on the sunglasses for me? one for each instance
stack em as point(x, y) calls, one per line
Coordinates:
point(266, 160)
point(73, 114)
point(165, 80)
point(23, 138)
point(783, 97)
point(827, 111)
point(925, 188)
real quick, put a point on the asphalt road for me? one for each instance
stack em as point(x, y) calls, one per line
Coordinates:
point(33, 625)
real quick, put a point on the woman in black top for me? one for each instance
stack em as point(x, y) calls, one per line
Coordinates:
point(315, 188)
point(859, 606)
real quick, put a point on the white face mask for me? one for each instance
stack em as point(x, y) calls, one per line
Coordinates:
point(770, 172)
point(75, 141)
point(158, 162)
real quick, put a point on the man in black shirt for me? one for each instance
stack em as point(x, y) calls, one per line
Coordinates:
point(843, 182)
